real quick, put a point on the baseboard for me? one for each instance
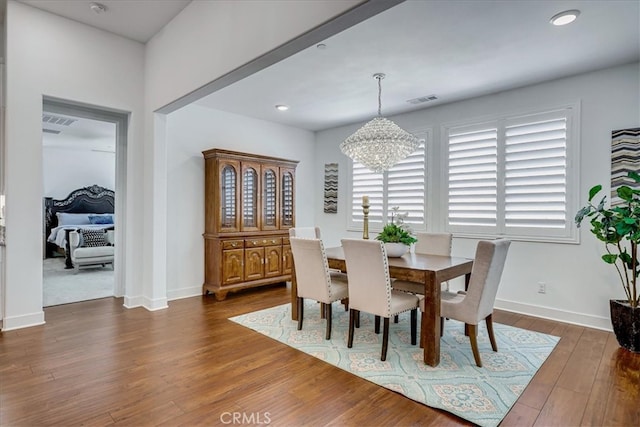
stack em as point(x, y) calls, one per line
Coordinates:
point(155, 304)
point(175, 294)
point(23, 321)
point(133, 302)
point(581, 319)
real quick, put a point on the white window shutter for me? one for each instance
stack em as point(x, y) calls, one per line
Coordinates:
point(406, 188)
point(473, 174)
point(536, 172)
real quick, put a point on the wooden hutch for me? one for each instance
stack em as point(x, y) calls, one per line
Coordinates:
point(249, 208)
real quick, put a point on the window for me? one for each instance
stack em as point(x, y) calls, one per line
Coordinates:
point(513, 176)
point(403, 185)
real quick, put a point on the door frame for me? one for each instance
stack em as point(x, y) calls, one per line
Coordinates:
point(121, 120)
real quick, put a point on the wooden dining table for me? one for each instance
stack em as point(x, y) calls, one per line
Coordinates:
point(431, 270)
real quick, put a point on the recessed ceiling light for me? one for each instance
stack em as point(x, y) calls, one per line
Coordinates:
point(321, 46)
point(564, 18)
point(282, 107)
point(98, 8)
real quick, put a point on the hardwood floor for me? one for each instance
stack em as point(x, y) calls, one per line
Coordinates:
point(97, 363)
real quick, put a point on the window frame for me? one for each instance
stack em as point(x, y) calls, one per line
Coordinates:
point(568, 234)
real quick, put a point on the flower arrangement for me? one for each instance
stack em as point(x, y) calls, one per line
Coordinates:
point(396, 231)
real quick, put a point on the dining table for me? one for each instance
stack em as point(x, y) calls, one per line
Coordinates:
point(431, 270)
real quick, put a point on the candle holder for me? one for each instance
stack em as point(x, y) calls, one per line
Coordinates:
point(365, 221)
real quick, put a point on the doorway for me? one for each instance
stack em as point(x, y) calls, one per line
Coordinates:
point(84, 159)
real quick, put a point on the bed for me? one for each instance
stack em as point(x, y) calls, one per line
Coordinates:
point(87, 208)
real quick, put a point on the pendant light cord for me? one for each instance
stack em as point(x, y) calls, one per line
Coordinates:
point(379, 77)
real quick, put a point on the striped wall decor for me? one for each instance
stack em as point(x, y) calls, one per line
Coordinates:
point(625, 157)
point(331, 188)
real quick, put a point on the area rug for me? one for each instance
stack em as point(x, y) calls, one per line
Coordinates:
point(62, 286)
point(480, 395)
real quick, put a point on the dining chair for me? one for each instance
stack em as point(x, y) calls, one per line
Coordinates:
point(427, 244)
point(370, 289)
point(477, 302)
point(305, 232)
point(314, 280)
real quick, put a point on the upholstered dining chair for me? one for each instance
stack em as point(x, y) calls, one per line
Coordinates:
point(314, 280)
point(370, 289)
point(476, 304)
point(427, 244)
point(305, 232)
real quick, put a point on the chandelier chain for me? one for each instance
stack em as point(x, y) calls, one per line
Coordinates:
point(379, 77)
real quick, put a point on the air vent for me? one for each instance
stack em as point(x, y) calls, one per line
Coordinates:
point(57, 120)
point(422, 99)
point(53, 131)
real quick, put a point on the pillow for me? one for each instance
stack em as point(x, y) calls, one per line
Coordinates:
point(72, 218)
point(101, 219)
point(93, 238)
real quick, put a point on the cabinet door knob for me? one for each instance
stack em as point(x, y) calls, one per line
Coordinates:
point(234, 244)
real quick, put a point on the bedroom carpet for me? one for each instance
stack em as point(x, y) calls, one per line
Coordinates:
point(480, 395)
point(62, 286)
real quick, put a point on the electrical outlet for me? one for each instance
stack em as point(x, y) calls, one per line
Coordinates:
point(542, 288)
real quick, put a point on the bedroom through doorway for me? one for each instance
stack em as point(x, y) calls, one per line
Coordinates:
point(79, 169)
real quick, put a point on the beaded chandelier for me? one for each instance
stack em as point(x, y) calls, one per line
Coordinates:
point(379, 144)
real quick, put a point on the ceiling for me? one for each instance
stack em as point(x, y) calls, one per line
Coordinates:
point(63, 131)
point(451, 49)
point(135, 19)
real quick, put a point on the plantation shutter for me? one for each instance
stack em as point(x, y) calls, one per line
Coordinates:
point(536, 172)
point(403, 185)
point(366, 183)
point(473, 177)
point(406, 187)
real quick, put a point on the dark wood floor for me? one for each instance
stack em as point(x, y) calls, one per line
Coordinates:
point(97, 363)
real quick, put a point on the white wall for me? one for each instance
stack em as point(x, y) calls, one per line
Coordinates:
point(579, 284)
point(194, 129)
point(205, 41)
point(94, 67)
point(67, 169)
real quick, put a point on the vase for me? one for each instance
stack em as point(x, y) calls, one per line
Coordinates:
point(626, 324)
point(395, 250)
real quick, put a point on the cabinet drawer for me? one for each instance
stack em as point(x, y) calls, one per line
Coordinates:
point(265, 241)
point(232, 244)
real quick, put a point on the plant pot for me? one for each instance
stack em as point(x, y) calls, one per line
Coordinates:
point(395, 250)
point(626, 324)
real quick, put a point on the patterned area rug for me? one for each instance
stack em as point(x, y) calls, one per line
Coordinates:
point(480, 395)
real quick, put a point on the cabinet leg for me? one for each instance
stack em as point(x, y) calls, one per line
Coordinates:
point(221, 295)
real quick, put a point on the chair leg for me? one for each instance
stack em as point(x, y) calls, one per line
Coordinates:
point(300, 312)
point(346, 304)
point(492, 338)
point(328, 316)
point(414, 325)
point(441, 326)
point(352, 320)
point(385, 339)
point(357, 319)
point(377, 324)
point(395, 319)
point(322, 310)
point(473, 337)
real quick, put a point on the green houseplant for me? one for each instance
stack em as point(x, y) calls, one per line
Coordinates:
point(618, 227)
point(396, 234)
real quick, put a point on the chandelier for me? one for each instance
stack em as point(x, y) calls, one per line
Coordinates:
point(379, 144)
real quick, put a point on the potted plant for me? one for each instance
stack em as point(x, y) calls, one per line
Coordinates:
point(396, 235)
point(619, 228)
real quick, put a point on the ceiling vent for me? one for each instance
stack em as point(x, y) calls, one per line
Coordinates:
point(422, 99)
point(53, 131)
point(57, 120)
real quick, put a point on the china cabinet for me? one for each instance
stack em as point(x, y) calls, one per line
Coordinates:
point(249, 208)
